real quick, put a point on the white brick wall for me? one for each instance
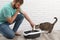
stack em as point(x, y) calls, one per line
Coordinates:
point(39, 11)
point(2, 2)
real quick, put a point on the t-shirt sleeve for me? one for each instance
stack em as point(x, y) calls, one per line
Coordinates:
point(7, 13)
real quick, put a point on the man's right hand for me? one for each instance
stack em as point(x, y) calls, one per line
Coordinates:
point(18, 10)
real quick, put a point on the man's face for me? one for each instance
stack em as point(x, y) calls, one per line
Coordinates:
point(16, 5)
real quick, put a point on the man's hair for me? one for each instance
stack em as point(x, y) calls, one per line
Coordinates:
point(20, 1)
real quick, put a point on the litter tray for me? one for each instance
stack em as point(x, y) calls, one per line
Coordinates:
point(32, 34)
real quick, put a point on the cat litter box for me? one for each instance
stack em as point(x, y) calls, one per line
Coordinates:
point(32, 34)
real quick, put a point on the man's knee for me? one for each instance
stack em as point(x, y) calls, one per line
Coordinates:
point(20, 16)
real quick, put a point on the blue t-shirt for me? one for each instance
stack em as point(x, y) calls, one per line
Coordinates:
point(6, 12)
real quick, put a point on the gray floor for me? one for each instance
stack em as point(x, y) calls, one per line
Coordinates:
point(55, 35)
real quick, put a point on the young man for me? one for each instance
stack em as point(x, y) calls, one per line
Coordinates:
point(8, 15)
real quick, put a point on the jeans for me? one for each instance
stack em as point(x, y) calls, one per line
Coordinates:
point(10, 33)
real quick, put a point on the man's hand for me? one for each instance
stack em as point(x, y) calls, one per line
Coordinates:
point(32, 25)
point(18, 10)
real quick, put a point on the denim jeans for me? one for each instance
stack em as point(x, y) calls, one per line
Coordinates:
point(10, 33)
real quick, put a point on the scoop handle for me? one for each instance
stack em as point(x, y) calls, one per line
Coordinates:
point(33, 28)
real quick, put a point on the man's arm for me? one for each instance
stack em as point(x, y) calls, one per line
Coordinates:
point(11, 19)
point(28, 18)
